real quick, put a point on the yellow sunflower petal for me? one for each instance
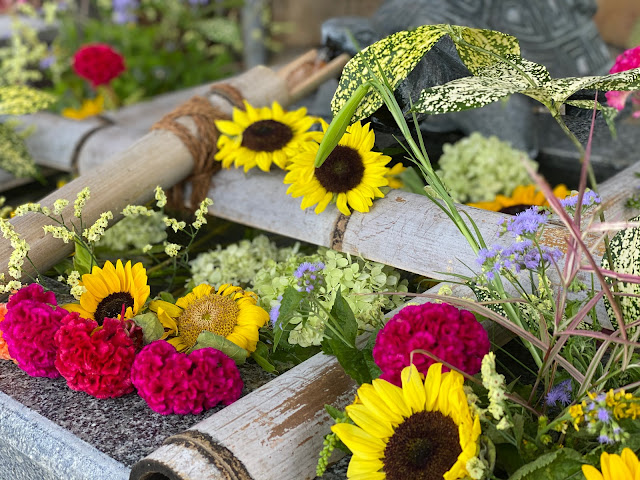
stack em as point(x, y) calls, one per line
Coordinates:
point(392, 396)
point(363, 466)
point(591, 473)
point(631, 460)
point(370, 423)
point(377, 405)
point(432, 386)
point(341, 203)
point(359, 442)
point(413, 389)
point(74, 307)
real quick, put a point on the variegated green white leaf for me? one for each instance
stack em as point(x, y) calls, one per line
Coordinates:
point(395, 56)
point(609, 113)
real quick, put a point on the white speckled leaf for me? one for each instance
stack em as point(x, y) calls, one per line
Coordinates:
point(398, 54)
point(492, 83)
point(467, 41)
point(625, 254)
point(562, 88)
point(20, 100)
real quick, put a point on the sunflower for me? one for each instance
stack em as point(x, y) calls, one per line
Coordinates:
point(90, 107)
point(421, 431)
point(522, 197)
point(111, 290)
point(615, 467)
point(351, 174)
point(262, 136)
point(230, 312)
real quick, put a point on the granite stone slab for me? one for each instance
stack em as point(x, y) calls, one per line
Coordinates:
point(55, 428)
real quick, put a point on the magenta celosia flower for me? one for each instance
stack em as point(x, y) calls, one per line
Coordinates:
point(174, 382)
point(625, 61)
point(29, 327)
point(97, 360)
point(453, 335)
point(98, 63)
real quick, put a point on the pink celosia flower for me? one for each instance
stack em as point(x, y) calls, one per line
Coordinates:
point(28, 328)
point(4, 350)
point(625, 61)
point(173, 382)
point(97, 360)
point(453, 335)
point(98, 63)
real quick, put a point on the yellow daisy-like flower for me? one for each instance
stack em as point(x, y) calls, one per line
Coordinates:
point(421, 431)
point(262, 136)
point(615, 467)
point(351, 175)
point(522, 197)
point(110, 289)
point(89, 108)
point(230, 312)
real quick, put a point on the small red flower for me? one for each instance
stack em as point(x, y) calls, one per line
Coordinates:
point(174, 382)
point(98, 63)
point(28, 328)
point(97, 360)
point(439, 328)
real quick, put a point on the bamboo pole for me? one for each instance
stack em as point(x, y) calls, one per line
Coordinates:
point(158, 158)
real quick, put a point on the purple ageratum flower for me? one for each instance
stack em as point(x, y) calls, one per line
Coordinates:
point(603, 415)
point(605, 440)
point(123, 11)
point(561, 393)
point(47, 61)
point(309, 276)
point(588, 199)
point(526, 222)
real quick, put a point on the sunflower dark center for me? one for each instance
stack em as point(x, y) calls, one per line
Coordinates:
point(266, 136)
point(515, 209)
point(111, 306)
point(424, 447)
point(341, 171)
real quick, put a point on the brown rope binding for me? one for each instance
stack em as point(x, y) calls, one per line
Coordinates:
point(203, 146)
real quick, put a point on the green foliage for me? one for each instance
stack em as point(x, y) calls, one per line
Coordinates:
point(209, 339)
point(398, 54)
point(20, 100)
point(560, 464)
point(14, 156)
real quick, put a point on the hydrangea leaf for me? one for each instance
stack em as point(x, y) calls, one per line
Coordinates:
point(20, 100)
point(210, 339)
point(491, 83)
point(625, 256)
point(399, 53)
point(14, 156)
point(152, 329)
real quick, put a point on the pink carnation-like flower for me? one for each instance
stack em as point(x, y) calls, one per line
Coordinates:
point(625, 61)
point(97, 360)
point(174, 382)
point(29, 327)
point(453, 335)
point(35, 292)
point(98, 63)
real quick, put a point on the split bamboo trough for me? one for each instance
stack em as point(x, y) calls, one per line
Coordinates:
point(276, 431)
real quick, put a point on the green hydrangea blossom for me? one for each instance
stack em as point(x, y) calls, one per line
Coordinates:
point(353, 275)
point(238, 262)
point(477, 168)
point(134, 232)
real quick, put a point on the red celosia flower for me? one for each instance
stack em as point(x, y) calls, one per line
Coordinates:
point(28, 328)
point(4, 350)
point(174, 382)
point(625, 61)
point(97, 360)
point(98, 63)
point(453, 335)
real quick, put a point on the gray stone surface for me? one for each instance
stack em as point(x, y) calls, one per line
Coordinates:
point(57, 427)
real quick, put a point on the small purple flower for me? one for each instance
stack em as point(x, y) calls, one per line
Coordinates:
point(123, 11)
point(274, 313)
point(588, 199)
point(47, 61)
point(526, 222)
point(561, 393)
point(604, 439)
point(309, 276)
point(603, 415)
